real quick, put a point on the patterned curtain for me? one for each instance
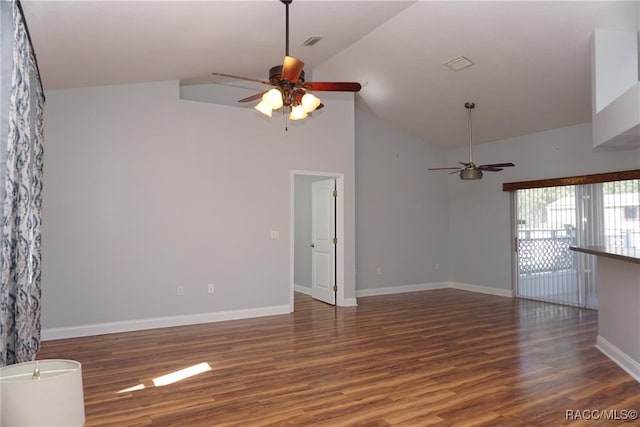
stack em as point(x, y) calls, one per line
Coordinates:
point(21, 161)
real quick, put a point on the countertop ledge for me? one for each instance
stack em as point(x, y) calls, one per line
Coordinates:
point(621, 254)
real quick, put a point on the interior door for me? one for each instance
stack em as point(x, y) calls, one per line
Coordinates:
point(323, 243)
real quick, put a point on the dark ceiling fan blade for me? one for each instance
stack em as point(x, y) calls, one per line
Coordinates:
point(333, 86)
point(440, 169)
point(241, 78)
point(487, 168)
point(319, 107)
point(291, 69)
point(498, 165)
point(253, 97)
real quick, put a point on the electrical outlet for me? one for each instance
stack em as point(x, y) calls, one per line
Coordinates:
point(180, 290)
point(437, 266)
point(379, 271)
point(211, 288)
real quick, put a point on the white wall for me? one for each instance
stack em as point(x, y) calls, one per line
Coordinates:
point(145, 192)
point(401, 207)
point(479, 211)
point(615, 65)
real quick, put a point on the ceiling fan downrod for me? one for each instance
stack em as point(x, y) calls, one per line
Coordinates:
point(470, 171)
point(286, 23)
point(470, 106)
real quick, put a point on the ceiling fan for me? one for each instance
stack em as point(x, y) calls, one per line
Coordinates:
point(470, 170)
point(289, 88)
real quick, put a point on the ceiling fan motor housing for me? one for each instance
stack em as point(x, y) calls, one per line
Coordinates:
point(470, 173)
point(275, 74)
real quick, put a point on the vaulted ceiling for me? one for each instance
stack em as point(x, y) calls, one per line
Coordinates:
point(531, 67)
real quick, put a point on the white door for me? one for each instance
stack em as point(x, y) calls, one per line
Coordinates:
point(323, 245)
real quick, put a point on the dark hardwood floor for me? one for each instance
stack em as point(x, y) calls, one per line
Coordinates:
point(442, 358)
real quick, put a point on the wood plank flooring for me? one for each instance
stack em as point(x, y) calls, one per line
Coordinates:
point(434, 358)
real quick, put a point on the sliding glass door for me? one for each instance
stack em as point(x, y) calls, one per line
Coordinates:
point(550, 219)
point(545, 228)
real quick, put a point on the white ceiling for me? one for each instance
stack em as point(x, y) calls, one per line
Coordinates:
point(532, 68)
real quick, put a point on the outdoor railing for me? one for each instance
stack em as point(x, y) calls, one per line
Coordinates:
point(545, 250)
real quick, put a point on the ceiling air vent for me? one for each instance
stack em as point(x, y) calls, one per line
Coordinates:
point(312, 41)
point(459, 63)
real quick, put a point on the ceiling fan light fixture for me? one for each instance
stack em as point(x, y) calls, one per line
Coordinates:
point(264, 108)
point(289, 88)
point(297, 113)
point(310, 102)
point(273, 97)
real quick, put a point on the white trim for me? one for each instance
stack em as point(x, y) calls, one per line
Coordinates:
point(350, 302)
point(302, 289)
point(507, 293)
point(192, 319)
point(432, 286)
point(340, 261)
point(619, 357)
point(401, 289)
point(160, 322)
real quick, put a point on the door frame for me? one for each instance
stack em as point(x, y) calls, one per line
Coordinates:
point(340, 260)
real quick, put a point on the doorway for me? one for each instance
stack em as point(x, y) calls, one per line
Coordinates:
point(318, 241)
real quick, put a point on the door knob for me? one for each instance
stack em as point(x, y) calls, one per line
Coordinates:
point(313, 246)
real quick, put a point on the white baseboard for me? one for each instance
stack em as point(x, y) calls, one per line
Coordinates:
point(619, 357)
point(401, 289)
point(160, 322)
point(507, 293)
point(349, 302)
point(192, 319)
point(432, 286)
point(302, 289)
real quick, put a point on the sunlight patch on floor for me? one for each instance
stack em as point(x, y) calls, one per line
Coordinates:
point(173, 377)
